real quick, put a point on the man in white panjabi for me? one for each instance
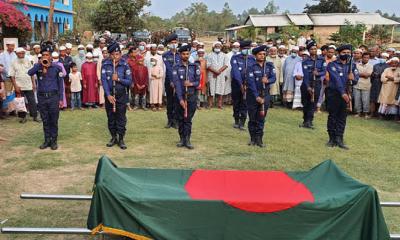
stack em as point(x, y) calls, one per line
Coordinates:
point(217, 63)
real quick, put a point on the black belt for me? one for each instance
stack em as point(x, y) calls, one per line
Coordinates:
point(48, 94)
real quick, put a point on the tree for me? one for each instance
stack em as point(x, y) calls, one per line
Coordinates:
point(271, 8)
point(349, 33)
point(14, 23)
point(84, 10)
point(331, 6)
point(51, 24)
point(226, 18)
point(119, 16)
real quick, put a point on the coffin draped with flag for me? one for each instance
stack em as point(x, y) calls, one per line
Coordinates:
point(323, 203)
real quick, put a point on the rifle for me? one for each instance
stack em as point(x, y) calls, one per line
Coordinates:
point(245, 79)
point(262, 95)
point(185, 113)
point(349, 87)
point(113, 90)
point(312, 83)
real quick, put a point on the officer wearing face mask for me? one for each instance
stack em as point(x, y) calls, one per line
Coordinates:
point(171, 58)
point(240, 64)
point(340, 75)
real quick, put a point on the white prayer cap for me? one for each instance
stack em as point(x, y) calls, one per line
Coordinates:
point(391, 50)
point(217, 43)
point(296, 48)
point(201, 50)
point(195, 41)
point(62, 48)
point(160, 46)
point(89, 46)
point(9, 41)
point(54, 54)
point(36, 46)
point(282, 47)
point(81, 46)
point(68, 45)
point(19, 50)
point(102, 40)
point(273, 47)
point(393, 59)
point(153, 45)
point(306, 53)
point(358, 50)
point(319, 51)
point(253, 44)
point(95, 54)
point(89, 55)
point(397, 52)
point(201, 43)
point(148, 45)
point(121, 46)
point(332, 46)
point(386, 55)
point(104, 49)
point(236, 44)
point(39, 55)
point(184, 44)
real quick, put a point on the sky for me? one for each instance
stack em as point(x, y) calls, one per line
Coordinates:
point(168, 8)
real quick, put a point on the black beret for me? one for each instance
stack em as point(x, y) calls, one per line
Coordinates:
point(311, 44)
point(259, 49)
point(345, 47)
point(113, 47)
point(46, 48)
point(185, 48)
point(171, 37)
point(245, 43)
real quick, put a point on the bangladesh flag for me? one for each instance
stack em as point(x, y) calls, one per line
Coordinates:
point(323, 203)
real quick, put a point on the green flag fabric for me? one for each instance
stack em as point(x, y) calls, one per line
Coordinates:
point(323, 203)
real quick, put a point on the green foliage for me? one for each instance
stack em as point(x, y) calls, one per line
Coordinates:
point(155, 23)
point(119, 16)
point(331, 6)
point(349, 33)
point(379, 34)
point(84, 10)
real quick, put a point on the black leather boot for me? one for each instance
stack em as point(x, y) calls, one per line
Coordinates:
point(169, 124)
point(112, 141)
point(181, 143)
point(332, 141)
point(236, 124)
point(53, 144)
point(121, 142)
point(188, 144)
point(46, 144)
point(242, 122)
point(252, 142)
point(259, 141)
point(340, 143)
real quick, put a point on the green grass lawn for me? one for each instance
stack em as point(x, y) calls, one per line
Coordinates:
point(373, 158)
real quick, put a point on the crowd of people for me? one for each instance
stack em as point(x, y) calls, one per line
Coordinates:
point(375, 95)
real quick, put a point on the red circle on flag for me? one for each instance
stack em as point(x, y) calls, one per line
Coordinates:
point(252, 191)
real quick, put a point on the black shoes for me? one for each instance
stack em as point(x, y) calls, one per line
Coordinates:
point(185, 142)
point(113, 141)
point(259, 142)
point(53, 144)
point(181, 143)
point(307, 125)
point(121, 142)
point(169, 124)
point(236, 124)
point(340, 143)
point(46, 143)
point(188, 144)
point(332, 141)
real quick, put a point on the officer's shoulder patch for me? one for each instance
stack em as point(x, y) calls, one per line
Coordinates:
point(251, 74)
point(60, 74)
point(274, 70)
point(174, 72)
point(333, 68)
point(305, 66)
point(234, 61)
point(198, 71)
point(325, 64)
point(103, 71)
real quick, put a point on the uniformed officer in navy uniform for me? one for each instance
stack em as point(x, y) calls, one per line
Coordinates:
point(314, 69)
point(116, 98)
point(260, 76)
point(171, 58)
point(343, 74)
point(50, 90)
point(186, 78)
point(241, 64)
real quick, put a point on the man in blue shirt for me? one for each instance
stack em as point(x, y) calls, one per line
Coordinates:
point(116, 79)
point(50, 90)
point(261, 75)
point(186, 78)
point(343, 74)
point(240, 66)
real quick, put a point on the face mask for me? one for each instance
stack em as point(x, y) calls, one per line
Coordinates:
point(245, 51)
point(293, 54)
point(141, 48)
point(55, 60)
point(269, 45)
point(235, 50)
point(153, 63)
point(217, 50)
point(81, 53)
point(160, 52)
point(344, 56)
point(173, 46)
